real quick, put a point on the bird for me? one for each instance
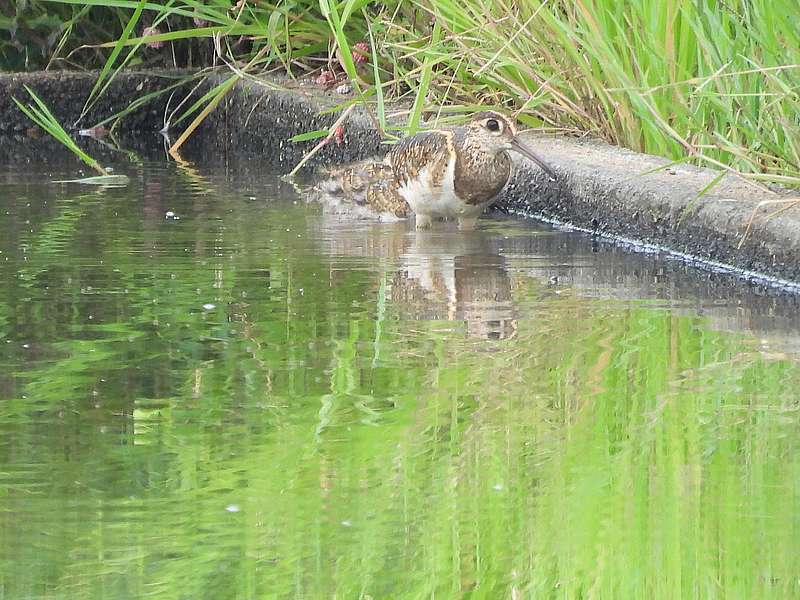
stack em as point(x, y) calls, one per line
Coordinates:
point(435, 174)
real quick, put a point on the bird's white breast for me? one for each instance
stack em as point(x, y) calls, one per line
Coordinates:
point(437, 200)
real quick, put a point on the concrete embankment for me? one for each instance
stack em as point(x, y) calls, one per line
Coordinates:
point(601, 188)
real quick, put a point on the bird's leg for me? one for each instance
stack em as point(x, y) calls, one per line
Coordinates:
point(423, 221)
point(467, 223)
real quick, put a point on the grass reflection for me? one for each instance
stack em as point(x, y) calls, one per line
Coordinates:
point(367, 412)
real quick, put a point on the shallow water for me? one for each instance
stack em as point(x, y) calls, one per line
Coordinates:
point(209, 389)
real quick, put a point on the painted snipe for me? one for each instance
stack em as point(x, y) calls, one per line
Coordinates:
point(453, 174)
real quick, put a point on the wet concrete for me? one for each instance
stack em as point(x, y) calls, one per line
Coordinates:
point(603, 189)
point(259, 122)
point(611, 191)
point(65, 94)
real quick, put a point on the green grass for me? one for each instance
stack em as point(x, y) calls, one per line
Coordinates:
point(39, 113)
point(719, 83)
point(716, 84)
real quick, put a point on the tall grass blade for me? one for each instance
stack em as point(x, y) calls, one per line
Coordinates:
point(381, 108)
point(221, 91)
point(424, 83)
point(42, 116)
point(101, 84)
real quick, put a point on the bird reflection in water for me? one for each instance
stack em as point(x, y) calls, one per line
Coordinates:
point(435, 275)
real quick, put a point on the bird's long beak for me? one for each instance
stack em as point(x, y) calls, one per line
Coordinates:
point(518, 146)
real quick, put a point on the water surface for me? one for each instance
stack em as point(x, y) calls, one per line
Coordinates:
point(210, 389)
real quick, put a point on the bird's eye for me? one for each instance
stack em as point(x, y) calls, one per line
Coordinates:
point(492, 125)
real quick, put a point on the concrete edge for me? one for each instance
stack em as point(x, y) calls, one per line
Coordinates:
point(601, 188)
point(613, 191)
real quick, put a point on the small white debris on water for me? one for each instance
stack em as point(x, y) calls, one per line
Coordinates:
point(209, 306)
point(233, 508)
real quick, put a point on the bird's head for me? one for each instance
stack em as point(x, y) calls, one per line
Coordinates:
point(495, 133)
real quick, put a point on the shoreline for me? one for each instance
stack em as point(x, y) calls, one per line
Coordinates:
point(603, 190)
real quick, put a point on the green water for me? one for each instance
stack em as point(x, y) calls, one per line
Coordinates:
point(250, 399)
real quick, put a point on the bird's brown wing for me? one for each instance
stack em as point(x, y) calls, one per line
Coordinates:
point(370, 184)
point(376, 185)
point(427, 150)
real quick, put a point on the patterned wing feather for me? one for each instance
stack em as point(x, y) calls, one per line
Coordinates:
point(411, 156)
point(369, 185)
